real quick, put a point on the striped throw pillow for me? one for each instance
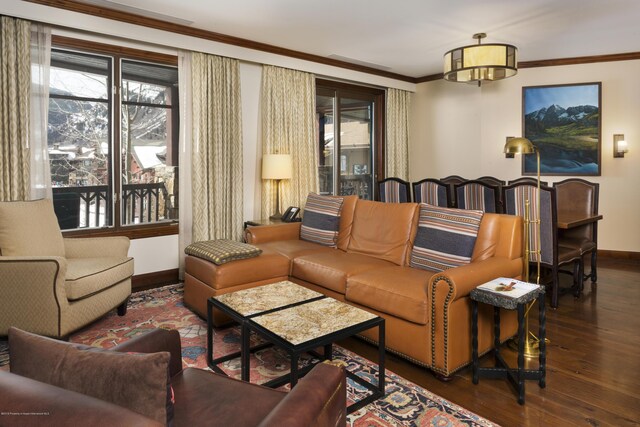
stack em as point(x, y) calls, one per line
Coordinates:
point(321, 221)
point(445, 237)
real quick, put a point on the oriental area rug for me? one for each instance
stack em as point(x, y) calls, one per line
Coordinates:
point(405, 403)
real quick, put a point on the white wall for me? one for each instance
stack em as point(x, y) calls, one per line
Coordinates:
point(461, 129)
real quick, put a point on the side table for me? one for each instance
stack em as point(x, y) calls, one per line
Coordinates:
point(518, 375)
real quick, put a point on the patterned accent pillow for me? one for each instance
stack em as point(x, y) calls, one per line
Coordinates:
point(222, 251)
point(321, 221)
point(445, 237)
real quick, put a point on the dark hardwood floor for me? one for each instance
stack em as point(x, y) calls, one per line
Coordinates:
point(593, 361)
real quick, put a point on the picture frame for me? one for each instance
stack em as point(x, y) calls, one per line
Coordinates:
point(360, 169)
point(564, 122)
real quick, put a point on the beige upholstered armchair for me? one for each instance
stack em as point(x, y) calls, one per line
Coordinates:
point(53, 286)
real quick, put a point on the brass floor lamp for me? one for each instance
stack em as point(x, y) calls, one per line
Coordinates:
point(524, 146)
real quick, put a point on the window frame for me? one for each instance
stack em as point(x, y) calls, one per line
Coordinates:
point(119, 53)
point(342, 90)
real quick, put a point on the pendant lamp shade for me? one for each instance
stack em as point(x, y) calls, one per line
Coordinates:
point(481, 62)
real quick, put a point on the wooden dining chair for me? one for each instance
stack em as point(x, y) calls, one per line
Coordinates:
point(394, 190)
point(578, 198)
point(431, 191)
point(477, 195)
point(545, 244)
point(527, 180)
point(452, 180)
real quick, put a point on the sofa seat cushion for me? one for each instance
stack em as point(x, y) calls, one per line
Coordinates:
point(88, 276)
point(331, 269)
point(194, 405)
point(294, 248)
point(267, 265)
point(584, 244)
point(398, 291)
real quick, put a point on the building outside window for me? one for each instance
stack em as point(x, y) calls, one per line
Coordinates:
point(108, 173)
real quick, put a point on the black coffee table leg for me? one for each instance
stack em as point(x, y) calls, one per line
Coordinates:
point(294, 369)
point(245, 351)
point(381, 369)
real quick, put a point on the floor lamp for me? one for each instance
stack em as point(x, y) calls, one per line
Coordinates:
point(524, 146)
point(277, 167)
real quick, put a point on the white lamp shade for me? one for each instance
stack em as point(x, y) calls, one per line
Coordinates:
point(276, 166)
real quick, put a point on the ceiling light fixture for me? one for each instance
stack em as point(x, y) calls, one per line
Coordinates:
point(481, 62)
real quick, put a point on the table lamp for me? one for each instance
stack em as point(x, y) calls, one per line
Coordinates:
point(524, 146)
point(277, 167)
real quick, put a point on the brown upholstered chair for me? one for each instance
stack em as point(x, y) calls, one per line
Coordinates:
point(202, 398)
point(528, 180)
point(53, 286)
point(578, 198)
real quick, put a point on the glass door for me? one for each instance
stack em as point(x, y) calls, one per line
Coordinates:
point(350, 139)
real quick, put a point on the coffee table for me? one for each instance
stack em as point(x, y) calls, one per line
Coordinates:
point(297, 320)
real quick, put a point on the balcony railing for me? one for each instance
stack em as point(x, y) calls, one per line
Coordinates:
point(90, 206)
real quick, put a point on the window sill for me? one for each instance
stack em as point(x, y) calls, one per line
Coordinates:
point(135, 232)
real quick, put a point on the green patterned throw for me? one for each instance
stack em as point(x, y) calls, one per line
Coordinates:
point(222, 251)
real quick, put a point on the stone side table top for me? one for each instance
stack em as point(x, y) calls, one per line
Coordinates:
point(503, 301)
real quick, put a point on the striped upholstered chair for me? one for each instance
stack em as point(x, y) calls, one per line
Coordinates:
point(478, 195)
point(543, 246)
point(451, 181)
point(431, 191)
point(394, 190)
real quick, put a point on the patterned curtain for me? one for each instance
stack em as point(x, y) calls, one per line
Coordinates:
point(216, 148)
point(288, 127)
point(15, 82)
point(398, 110)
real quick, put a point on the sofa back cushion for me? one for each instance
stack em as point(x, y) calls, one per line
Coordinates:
point(321, 220)
point(139, 382)
point(499, 235)
point(383, 230)
point(346, 220)
point(445, 238)
point(30, 229)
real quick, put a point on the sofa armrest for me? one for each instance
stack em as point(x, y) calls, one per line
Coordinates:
point(96, 247)
point(319, 399)
point(27, 402)
point(462, 280)
point(32, 293)
point(271, 233)
point(155, 341)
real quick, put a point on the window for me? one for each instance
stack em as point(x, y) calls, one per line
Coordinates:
point(351, 138)
point(107, 174)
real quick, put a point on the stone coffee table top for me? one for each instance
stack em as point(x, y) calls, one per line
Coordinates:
point(248, 302)
point(315, 319)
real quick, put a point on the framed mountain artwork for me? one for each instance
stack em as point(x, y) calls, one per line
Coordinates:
point(565, 125)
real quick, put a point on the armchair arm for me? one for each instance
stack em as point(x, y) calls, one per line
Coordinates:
point(96, 247)
point(272, 233)
point(155, 341)
point(319, 399)
point(32, 294)
point(450, 310)
point(27, 402)
point(462, 280)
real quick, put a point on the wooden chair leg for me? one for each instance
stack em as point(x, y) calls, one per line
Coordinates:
point(594, 259)
point(554, 287)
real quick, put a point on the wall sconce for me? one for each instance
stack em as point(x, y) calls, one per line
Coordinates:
point(509, 155)
point(619, 145)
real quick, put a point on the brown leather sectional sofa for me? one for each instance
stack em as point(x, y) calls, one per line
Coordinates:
point(428, 315)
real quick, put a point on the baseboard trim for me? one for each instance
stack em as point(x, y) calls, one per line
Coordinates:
point(154, 279)
point(619, 254)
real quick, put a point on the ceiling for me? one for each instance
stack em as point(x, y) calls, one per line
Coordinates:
point(409, 37)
